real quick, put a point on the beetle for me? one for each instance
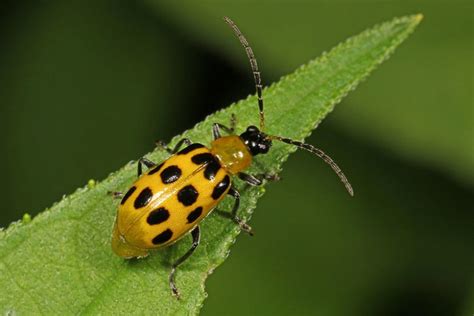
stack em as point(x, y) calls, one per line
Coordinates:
point(172, 198)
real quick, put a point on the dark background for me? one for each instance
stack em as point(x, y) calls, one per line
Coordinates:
point(87, 86)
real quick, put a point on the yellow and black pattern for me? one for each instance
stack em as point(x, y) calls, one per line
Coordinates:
point(172, 198)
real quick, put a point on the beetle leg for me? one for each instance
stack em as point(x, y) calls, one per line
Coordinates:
point(248, 178)
point(216, 127)
point(216, 132)
point(144, 161)
point(177, 147)
point(115, 194)
point(195, 233)
point(257, 179)
point(233, 215)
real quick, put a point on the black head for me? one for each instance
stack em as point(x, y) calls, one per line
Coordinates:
point(257, 142)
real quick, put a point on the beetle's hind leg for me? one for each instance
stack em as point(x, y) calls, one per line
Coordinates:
point(233, 215)
point(196, 234)
point(144, 161)
point(176, 148)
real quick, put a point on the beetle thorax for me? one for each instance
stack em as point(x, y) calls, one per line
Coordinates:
point(232, 153)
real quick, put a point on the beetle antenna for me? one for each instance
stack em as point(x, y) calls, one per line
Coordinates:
point(253, 64)
point(318, 152)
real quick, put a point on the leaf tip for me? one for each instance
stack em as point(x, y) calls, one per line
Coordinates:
point(415, 19)
point(418, 17)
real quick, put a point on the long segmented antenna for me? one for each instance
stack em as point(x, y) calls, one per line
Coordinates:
point(318, 152)
point(253, 64)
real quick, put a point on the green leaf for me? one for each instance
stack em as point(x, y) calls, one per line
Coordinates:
point(61, 262)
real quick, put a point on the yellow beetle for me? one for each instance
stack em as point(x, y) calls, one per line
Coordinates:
point(170, 200)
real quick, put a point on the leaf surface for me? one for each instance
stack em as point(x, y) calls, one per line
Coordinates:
point(61, 262)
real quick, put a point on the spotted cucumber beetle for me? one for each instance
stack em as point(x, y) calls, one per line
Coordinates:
point(171, 199)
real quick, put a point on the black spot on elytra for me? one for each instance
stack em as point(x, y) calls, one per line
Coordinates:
point(127, 195)
point(170, 174)
point(162, 237)
point(190, 148)
point(211, 170)
point(158, 216)
point(188, 195)
point(143, 198)
point(220, 188)
point(212, 167)
point(156, 169)
point(202, 158)
point(194, 215)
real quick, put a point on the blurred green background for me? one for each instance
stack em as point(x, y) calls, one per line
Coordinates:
point(87, 86)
